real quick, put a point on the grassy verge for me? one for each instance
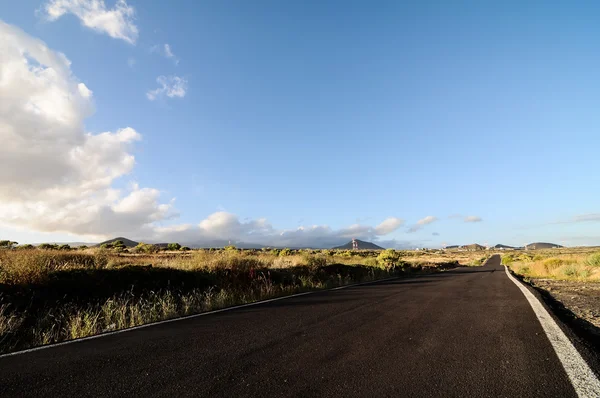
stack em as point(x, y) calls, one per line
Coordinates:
point(572, 265)
point(48, 296)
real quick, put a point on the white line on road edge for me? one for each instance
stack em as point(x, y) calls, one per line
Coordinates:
point(584, 381)
point(97, 336)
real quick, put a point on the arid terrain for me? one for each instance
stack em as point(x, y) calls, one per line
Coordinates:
point(54, 293)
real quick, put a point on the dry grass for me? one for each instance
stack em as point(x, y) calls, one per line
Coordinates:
point(576, 264)
point(48, 296)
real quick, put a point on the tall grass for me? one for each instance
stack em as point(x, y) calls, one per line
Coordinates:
point(565, 266)
point(48, 296)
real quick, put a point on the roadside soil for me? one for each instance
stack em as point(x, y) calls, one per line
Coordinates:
point(581, 299)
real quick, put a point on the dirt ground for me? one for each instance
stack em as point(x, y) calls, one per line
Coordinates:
point(581, 298)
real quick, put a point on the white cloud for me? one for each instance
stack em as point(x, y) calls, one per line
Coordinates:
point(221, 227)
point(58, 177)
point(422, 222)
point(166, 51)
point(171, 86)
point(117, 22)
point(472, 219)
point(388, 225)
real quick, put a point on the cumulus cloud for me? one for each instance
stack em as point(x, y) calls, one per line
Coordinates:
point(57, 176)
point(389, 225)
point(422, 222)
point(472, 219)
point(171, 86)
point(222, 227)
point(117, 22)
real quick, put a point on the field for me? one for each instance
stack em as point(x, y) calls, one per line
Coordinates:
point(55, 294)
point(575, 264)
point(569, 279)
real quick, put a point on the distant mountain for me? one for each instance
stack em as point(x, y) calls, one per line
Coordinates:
point(452, 247)
point(504, 247)
point(126, 242)
point(473, 247)
point(362, 245)
point(72, 244)
point(541, 245)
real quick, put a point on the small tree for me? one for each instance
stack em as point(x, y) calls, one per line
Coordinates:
point(173, 246)
point(7, 244)
point(64, 247)
point(26, 247)
point(184, 249)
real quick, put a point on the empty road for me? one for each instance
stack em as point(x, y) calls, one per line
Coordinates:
point(465, 332)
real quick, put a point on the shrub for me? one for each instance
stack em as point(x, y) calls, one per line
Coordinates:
point(389, 258)
point(594, 260)
point(230, 248)
point(184, 249)
point(285, 252)
point(7, 244)
point(173, 246)
point(26, 247)
point(507, 259)
point(570, 270)
point(145, 248)
point(552, 263)
point(48, 246)
point(64, 247)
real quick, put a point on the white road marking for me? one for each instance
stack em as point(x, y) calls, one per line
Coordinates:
point(583, 379)
point(97, 336)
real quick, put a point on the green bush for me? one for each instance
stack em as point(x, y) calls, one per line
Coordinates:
point(145, 248)
point(173, 246)
point(389, 258)
point(285, 252)
point(48, 246)
point(7, 244)
point(570, 270)
point(507, 259)
point(594, 260)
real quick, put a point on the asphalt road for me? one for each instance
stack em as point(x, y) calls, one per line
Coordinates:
point(465, 332)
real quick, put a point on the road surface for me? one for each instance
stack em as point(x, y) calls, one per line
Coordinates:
point(465, 332)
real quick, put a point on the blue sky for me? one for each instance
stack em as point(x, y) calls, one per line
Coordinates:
point(338, 114)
